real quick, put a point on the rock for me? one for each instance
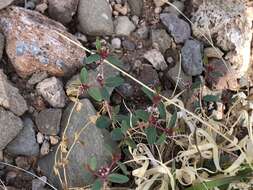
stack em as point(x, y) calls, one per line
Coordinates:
point(25, 143)
point(10, 126)
point(39, 184)
point(52, 91)
point(126, 90)
point(33, 43)
point(121, 9)
point(142, 32)
point(229, 26)
point(192, 58)
point(45, 148)
point(179, 29)
point(162, 39)
point(62, 11)
point(123, 26)
point(136, 7)
point(40, 137)
point(94, 140)
point(30, 5)
point(54, 140)
point(5, 3)
point(170, 9)
point(2, 44)
point(218, 77)
point(23, 162)
point(72, 86)
point(95, 17)
point(48, 121)
point(37, 77)
point(183, 81)
point(156, 59)
point(10, 98)
point(116, 43)
point(159, 3)
point(172, 57)
point(149, 76)
point(211, 52)
point(129, 45)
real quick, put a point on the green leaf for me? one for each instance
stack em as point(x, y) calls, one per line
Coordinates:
point(151, 134)
point(98, 44)
point(162, 110)
point(141, 114)
point(216, 74)
point(196, 85)
point(123, 168)
point(148, 93)
point(124, 126)
point(105, 94)
point(131, 143)
point(93, 163)
point(210, 98)
point(97, 185)
point(95, 93)
point(103, 122)
point(173, 120)
point(161, 139)
point(117, 178)
point(115, 61)
point(91, 59)
point(205, 59)
point(114, 81)
point(216, 183)
point(116, 134)
point(84, 76)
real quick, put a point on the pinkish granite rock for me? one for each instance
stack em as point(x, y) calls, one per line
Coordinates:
point(33, 43)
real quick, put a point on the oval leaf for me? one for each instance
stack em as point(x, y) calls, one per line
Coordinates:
point(93, 163)
point(117, 134)
point(115, 61)
point(97, 185)
point(151, 135)
point(114, 81)
point(103, 122)
point(210, 98)
point(84, 75)
point(95, 93)
point(91, 59)
point(117, 178)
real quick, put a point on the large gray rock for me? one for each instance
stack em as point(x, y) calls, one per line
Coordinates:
point(25, 143)
point(52, 91)
point(136, 7)
point(5, 3)
point(156, 58)
point(48, 121)
point(179, 29)
point(92, 142)
point(62, 11)
point(95, 17)
point(33, 43)
point(10, 126)
point(192, 61)
point(10, 97)
point(1, 45)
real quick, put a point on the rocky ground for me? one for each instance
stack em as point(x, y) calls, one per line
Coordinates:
point(157, 45)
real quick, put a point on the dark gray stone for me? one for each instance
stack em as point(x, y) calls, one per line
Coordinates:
point(92, 142)
point(25, 143)
point(192, 61)
point(179, 29)
point(10, 98)
point(5, 3)
point(48, 121)
point(136, 7)
point(95, 17)
point(10, 126)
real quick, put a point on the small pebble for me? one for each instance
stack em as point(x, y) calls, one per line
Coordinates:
point(116, 43)
point(40, 138)
point(54, 140)
point(45, 148)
